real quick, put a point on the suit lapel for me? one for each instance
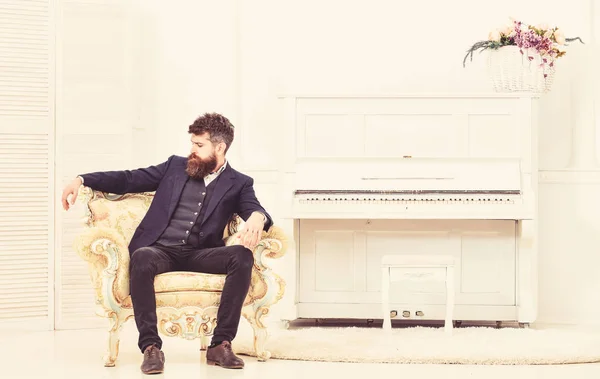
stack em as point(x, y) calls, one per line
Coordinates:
point(180, 180)
point(223, 183)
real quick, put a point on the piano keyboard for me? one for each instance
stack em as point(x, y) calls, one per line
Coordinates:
point(409, 204)
point(399, 200)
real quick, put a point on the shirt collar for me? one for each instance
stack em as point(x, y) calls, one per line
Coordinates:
point(220, 170)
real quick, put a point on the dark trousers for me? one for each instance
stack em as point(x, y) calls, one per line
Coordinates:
point(147, 262)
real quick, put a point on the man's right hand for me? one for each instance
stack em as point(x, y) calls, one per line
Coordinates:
point(71, 189)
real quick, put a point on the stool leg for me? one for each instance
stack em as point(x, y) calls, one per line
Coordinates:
point(385, 298)
point(449, 299)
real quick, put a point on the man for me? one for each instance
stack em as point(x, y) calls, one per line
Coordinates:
point(183, 230)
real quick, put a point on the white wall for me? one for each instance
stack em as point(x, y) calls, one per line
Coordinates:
point(99, 88)
point(236, 56)
point(189, 66)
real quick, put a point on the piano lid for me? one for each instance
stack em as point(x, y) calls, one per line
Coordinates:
point(410, 175)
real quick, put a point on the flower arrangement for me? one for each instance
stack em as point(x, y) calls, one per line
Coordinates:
point(545, 41)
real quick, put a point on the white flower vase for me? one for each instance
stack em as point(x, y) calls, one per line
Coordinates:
point(511, 71)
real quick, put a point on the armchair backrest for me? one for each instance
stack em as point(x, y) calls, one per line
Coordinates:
point(124, 213)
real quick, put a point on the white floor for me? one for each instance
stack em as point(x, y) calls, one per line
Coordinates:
point(77, 354)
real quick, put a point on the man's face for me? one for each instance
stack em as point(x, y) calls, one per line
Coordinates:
point(202, 159)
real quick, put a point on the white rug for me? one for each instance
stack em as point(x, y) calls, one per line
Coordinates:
point(470, 345)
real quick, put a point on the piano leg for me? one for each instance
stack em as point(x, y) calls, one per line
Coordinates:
point(526, 271)
point(449, 300)
point(385, 298)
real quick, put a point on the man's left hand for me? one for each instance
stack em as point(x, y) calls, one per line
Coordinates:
point(252, 230)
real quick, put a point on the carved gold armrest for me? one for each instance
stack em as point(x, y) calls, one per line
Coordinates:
point(267, 287)
point(84, 196)
point(108, 261)
point(272, 244)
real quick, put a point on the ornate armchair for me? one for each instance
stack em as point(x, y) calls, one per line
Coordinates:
point(186, 302)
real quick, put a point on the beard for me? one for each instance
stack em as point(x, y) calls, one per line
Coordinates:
point(198, 168)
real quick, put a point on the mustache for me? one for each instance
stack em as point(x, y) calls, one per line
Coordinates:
point(194, 157)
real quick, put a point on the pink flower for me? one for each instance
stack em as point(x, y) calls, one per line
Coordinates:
point(530, 40)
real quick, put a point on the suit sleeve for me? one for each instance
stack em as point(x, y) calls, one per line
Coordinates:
point(249, 203)
point(127, 181)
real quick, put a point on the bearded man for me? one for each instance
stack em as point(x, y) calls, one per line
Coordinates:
point(183, 231)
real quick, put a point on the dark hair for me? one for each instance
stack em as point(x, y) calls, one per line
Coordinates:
point(218, 127)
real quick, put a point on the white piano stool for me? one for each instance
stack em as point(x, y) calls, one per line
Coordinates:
point(401, 267)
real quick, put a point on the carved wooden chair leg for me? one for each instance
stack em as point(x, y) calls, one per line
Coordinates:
point(260, 341)
point(203, 342)
point(113, 341)
point(255, 318)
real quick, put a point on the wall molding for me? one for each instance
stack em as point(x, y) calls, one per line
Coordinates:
point(569, 176)
point(263, 176)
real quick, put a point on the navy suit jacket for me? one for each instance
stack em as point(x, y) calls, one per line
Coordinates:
point(233, 193)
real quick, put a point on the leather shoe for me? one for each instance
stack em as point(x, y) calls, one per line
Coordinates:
point(222, 355)
point(154, 360)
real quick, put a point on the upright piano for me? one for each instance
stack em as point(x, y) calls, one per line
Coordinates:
point(366, 176)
